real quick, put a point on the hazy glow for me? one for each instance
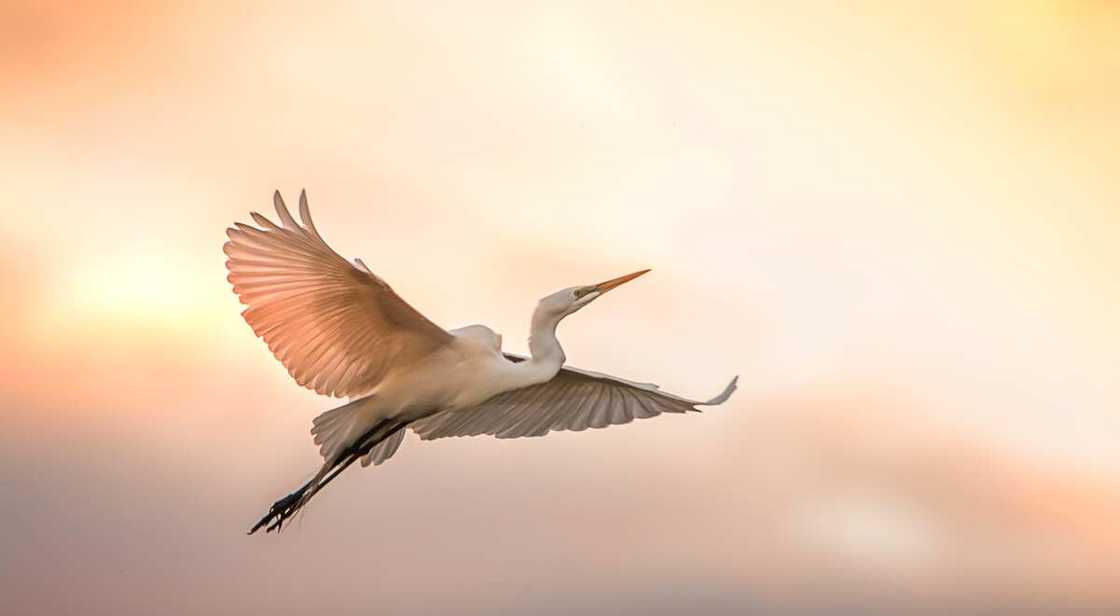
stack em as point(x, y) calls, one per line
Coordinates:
point(870, 533)
point(896, 220)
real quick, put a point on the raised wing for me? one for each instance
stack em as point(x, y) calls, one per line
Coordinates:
point(573, 400)
point(335, 327)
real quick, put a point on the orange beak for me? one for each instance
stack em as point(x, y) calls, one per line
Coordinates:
point(603, 287)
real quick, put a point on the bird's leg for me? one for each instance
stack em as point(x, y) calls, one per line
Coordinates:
point(286, 507)
point(296, 500)
point(283, 508)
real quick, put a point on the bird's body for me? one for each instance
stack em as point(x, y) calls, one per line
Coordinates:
point(467, 371)
point(477, 370)
point(342, 331)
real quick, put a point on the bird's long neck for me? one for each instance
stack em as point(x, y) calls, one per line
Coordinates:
point(546, 354)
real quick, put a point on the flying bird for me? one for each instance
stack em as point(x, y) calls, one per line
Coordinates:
point(342, 331)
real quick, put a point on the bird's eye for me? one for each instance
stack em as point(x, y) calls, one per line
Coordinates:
point(580, 293)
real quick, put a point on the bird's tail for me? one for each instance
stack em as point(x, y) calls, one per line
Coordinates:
point(336, 429)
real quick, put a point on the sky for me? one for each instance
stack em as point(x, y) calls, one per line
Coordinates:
point(896, 221)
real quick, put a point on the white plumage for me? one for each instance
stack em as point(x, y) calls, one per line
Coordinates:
point(340, 330)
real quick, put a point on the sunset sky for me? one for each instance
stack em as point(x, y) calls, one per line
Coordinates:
point(898, 222)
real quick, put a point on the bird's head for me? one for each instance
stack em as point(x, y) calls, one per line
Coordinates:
point(567, 301)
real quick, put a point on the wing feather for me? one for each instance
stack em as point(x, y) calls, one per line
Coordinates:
point(334, 326)
point(524, 420)
point(572, 400)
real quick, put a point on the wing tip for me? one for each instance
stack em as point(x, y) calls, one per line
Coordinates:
point(725, 394)
point(282, 212)
point(305, 212)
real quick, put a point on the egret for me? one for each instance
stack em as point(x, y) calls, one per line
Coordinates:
point(341, 331)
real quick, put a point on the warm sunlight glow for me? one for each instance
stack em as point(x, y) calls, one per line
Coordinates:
point(896, 221)
point(140, 286)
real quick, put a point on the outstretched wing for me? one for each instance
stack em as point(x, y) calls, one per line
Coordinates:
point(335, 327)
point(573, 400)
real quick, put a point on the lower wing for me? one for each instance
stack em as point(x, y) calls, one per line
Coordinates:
point(572, 400)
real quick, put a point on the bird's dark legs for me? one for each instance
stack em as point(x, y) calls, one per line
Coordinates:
point(286, 507)
point(282, 509)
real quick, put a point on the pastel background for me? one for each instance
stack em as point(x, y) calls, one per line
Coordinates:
point(898, 221)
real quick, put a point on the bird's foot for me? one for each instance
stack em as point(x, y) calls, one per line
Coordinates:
point(280, 511)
